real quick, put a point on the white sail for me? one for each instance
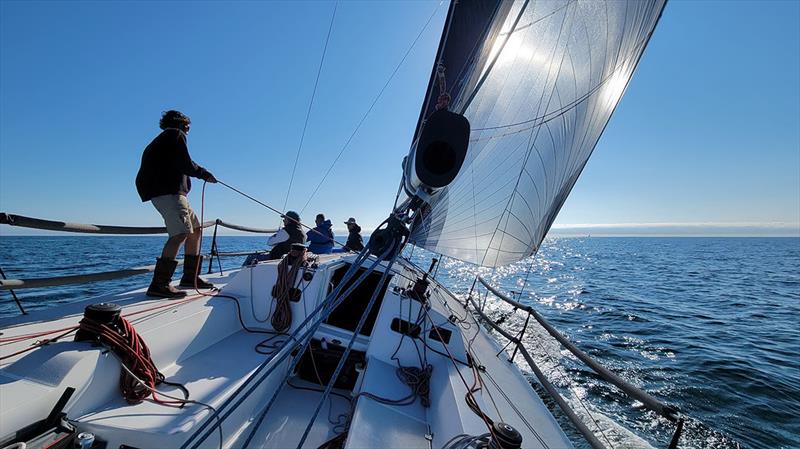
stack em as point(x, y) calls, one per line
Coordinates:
point(537, 106)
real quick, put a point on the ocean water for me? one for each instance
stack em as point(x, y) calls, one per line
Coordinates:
point(707, 324)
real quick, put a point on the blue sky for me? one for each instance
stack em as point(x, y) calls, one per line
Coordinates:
point(707, 137)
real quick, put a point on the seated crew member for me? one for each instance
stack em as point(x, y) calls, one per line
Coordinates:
point(321, 237)
point(290, 233)
point(163, 179)
point(354, 240)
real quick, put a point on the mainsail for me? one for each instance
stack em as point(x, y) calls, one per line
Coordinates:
point(538, 81)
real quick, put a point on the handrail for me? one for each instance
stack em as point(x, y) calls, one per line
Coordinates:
point(244, 228)
point(516, 304)
point(8, 284)
point(562, 404)
point(587, 434)
point(237, 254)
point(61, 226)
point(667, 411)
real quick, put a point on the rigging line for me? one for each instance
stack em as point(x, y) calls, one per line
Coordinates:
point(634, 66)
point(548, 116)
point(533, 137)
point(252, 299)
point(484, 389)
point(13, 339)
point(569, 141)
point(531, 145)
point(499, 388)
point(558, 368)
point(547, 106)
point(516, 410)
point(496, 57)
point(634, 47)
point(69, 330)
point(525, 282)
point(177, 399)
point(277, 211)
point(510, 403)
point(470, 393)
point(619, 65)
point(460, 193)
point(397, 195)
point(310, 104)
point(432, 82)
point(257, 374)
point(508, 33)
point(332, 301)
point(374, 102)
point(490, 106)
point(474, 220)
point(530, 24)
point(356, 332)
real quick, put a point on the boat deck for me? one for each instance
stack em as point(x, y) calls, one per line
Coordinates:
point(201, 343)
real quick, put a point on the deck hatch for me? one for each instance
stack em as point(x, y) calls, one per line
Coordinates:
point(347, 315)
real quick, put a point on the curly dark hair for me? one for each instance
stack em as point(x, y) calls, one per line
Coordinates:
point(173, 119)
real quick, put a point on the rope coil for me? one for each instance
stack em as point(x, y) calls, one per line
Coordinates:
point(122, 339)
point(284, 290)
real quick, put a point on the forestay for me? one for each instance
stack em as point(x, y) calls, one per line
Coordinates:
point(538, 91)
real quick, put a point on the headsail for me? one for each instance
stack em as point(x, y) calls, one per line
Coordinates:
point(538, 87)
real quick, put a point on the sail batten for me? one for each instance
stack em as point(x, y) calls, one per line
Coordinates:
point(538, 97)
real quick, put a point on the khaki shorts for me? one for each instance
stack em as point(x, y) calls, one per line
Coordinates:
point(178, 216)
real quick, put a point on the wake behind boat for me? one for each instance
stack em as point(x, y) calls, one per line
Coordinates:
point(362, 350)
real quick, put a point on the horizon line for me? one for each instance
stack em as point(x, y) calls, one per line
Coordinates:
point(652, 229)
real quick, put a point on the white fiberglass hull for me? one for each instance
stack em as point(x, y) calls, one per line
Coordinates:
point(202, 344)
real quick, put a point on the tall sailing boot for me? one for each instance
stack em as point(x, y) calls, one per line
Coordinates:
point(162, 276)
point(191, 265)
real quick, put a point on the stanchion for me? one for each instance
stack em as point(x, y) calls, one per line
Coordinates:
point(14, 295)
point(213, 247)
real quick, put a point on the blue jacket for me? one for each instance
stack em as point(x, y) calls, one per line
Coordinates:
point(321, 238)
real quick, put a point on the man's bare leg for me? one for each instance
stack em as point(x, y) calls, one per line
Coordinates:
point(192, 247)
point(173, 245)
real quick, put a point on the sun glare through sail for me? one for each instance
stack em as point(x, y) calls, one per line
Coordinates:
point(539, 91)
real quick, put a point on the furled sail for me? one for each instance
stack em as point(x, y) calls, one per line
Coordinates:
point(538, 81)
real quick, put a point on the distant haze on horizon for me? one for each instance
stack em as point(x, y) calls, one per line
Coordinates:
point(678, 230)
point(562, 230)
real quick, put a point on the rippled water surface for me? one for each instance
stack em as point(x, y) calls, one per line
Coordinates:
point(707, 324)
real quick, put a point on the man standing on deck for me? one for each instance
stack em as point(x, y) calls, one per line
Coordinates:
point(163, 179)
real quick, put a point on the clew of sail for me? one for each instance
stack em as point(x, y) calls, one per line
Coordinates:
point(538, 81)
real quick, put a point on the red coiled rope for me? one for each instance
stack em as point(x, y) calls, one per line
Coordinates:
point(134, 354)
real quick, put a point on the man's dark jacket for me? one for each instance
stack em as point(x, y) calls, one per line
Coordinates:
point(354, 240)
point(166, 166)
point(295, 236)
